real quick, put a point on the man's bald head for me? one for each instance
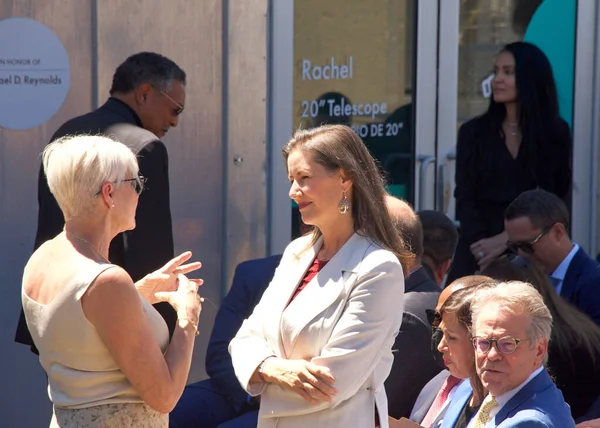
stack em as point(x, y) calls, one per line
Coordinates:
point(408, 223)
point(459, 284)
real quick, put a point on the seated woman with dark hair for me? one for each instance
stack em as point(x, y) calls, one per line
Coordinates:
point(453, 320)
point(574, 348)
point(456, 325)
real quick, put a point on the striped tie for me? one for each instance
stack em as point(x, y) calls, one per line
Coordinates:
point(483, 415)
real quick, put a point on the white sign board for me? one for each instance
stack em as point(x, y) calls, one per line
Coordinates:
point(34, 73)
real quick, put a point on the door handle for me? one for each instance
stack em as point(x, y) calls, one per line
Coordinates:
point(441, 204)
point(425, 161)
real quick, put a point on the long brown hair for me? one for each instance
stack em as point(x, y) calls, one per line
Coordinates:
point(459, 304)
point(571, 328)
point(337, 147)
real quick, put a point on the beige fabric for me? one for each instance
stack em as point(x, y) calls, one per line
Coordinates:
point(109, 416)
point(81, 371)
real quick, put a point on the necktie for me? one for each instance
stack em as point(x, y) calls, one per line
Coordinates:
point(483, 415)
point(440, 399)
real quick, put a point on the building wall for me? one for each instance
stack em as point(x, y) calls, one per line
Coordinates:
point(218, 206)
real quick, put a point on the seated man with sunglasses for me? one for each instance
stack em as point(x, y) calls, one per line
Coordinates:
point(147, 97)
point(511, 330)
point(537, 224)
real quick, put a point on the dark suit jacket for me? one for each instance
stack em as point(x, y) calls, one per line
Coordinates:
point(413, 365)
point(581, 286)
point(250, 280)
point(150, 245)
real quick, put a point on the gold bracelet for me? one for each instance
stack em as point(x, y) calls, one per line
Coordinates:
point(197, 333)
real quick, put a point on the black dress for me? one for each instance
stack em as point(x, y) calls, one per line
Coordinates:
point(488, 179)
point(466, 415)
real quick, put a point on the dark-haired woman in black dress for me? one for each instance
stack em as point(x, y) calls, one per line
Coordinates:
point(519, 144)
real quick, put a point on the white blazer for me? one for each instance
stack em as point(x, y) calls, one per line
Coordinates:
point(345, 319)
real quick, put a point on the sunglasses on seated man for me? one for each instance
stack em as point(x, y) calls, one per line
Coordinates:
point(527, 246)
point(434, 318)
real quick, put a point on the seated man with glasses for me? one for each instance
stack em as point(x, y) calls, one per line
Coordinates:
point(537, 224)
point(511, 330)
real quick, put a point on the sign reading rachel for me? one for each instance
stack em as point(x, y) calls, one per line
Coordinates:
point(353, 66)
point(34, 73)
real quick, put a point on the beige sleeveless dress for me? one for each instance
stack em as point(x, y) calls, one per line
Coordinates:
point(85, 384)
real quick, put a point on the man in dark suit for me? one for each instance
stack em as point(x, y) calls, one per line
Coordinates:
point(537, 223)
point(412, 347)
point(440, 237)
point(146, 98)
point(219, 399)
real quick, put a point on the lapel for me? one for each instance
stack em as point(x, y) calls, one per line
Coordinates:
point(459, 399)
point(426, 397)
point(572, 275)
point(322, 291)
point(538, 384)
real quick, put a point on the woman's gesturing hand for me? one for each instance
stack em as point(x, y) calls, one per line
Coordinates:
point(165, 278)
point(311, 382)
point(185, 300)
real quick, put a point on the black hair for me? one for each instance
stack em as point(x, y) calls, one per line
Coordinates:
point(146, 67)
point(537, 103)
point(440, 235)
point(542, 208)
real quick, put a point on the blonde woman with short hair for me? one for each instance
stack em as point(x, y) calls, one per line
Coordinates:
point(103, 346)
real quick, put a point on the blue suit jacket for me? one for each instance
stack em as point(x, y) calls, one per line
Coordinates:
point(538, 405)
point(459, 399)
point(581, 286)
point(250, 280)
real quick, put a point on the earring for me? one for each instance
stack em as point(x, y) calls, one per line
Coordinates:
point(344, 205)
point(113, 205)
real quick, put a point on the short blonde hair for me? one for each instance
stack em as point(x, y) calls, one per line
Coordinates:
point(517, 297)
point(76, 167)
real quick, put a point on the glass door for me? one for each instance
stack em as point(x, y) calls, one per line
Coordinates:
point(470, 37)
point(359, 64)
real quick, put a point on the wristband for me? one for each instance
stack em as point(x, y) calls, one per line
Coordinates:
point(260, 368)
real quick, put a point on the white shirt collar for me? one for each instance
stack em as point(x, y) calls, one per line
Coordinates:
point(505, 398)
point(560, 272)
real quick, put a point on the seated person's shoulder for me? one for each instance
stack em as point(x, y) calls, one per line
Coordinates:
point(251, 265)
point(531, 418)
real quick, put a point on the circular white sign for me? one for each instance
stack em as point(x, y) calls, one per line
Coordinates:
point(34, 73)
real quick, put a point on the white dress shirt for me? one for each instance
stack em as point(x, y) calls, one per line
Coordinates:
point(505, 398)
point(561, 271)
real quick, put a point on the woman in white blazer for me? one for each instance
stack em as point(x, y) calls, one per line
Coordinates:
point(317, 347)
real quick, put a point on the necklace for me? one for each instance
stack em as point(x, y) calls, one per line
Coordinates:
point(89, 245)
point(515, 133)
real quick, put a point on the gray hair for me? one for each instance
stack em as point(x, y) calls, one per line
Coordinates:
point(517, 297)
point(76, 167)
